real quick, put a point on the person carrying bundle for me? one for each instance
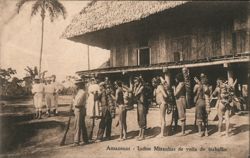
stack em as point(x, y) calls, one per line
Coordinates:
point(224, 105)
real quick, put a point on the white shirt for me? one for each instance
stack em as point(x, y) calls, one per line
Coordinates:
point(80, 99)
point(93, 88)
point(49, 88)
point(37, 88)
point(57, 86)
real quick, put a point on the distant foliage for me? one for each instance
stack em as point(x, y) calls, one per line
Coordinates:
point(10, 86)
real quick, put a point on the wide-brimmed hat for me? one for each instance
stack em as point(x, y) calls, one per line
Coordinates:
point(36, 77)
point(78, 81)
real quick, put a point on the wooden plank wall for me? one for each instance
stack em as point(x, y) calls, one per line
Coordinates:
point(197, 42)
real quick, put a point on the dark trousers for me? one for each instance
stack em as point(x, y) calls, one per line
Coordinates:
point(105, 124)
point(80, 127)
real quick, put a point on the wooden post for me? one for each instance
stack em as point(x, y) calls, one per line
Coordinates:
point(230, 76)
point(167, 76)
point(88, 57)
point(130, 82)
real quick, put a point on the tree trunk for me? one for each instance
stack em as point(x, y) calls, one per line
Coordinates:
point(41, 50)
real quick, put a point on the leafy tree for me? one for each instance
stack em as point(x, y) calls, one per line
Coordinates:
point(9, 85)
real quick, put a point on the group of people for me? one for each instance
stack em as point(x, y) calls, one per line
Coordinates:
point(102, 99)
point(47, 89)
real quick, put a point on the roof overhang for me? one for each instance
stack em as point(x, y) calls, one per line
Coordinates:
point(230, 59)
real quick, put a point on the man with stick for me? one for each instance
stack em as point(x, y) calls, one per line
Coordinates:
point(79, 105)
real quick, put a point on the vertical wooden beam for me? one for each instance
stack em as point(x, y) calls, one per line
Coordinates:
point(88, 57)
point(248, 28)
point(114, 56)
point(222, 40)
point(167, 76)
point(130, 81)
point(230, 75)
point(126, 56)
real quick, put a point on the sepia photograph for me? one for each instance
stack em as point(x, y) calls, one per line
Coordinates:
point(124, 79)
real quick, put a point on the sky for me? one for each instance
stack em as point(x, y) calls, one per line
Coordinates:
point(20, 39)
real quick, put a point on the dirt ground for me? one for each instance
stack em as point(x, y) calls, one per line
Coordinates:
point(23, 137)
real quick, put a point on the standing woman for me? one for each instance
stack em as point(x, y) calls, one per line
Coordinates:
point(38, 90)
point(180, 95)
point(138, 91)
point(160, 96)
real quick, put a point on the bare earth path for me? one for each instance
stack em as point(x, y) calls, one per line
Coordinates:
point(43, 136)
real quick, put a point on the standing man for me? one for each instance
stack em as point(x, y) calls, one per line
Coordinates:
point(106, 118)
point(180, 95)
point(79, 105)
point(119, 98)
point(223, 104)
point(160, 95)
point(56, 94)
point(202, 103)
point(138, 91)
point(49, 95)
point(37, 91)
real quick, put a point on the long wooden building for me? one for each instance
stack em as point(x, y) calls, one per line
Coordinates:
point(152, 37)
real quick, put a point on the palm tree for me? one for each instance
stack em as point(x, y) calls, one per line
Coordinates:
point(54, 9)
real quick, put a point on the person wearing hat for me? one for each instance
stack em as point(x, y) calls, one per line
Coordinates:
point(49, 90)
point(79, 106)
point(37, 91)
point(105, 124)
point(180, 95)
point(202, 99)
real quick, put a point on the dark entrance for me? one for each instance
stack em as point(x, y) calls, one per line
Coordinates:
point(144, 57)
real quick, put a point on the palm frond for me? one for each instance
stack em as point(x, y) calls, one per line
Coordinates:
point(20, 3)
point(36, 7)
point(55, 9)
point(52, 14)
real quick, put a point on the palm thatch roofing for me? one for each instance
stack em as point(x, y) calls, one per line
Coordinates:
point(106, 14)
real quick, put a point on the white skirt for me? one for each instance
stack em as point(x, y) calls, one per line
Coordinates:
point(92, 106)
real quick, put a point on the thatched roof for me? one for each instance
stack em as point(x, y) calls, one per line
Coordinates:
point(106, 14)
